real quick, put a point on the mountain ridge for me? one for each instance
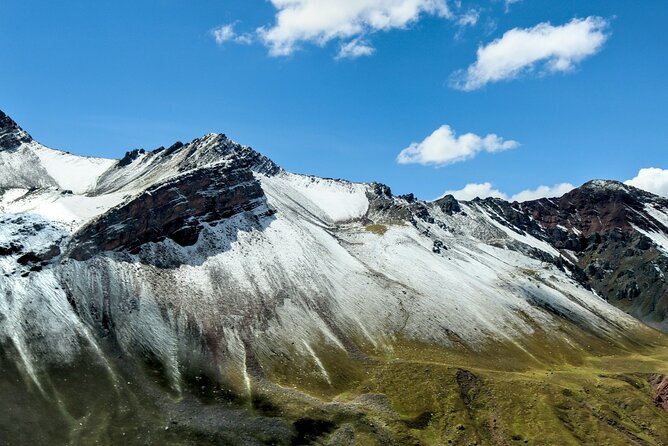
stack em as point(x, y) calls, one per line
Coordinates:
point(224, 284)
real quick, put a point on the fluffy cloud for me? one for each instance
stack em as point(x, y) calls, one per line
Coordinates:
point(444, 147)
point(544, 49)
point(473, 190)
point(321, 21)
point(484, 190)
point(226, 33)
point(652, 179)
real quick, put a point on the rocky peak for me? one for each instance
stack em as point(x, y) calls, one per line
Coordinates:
point(605, 185)
point(598, 206)
point(11, 135)
point(215, 147)
point(448, 204)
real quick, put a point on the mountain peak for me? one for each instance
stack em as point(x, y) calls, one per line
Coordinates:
point(11, 135)
point(605, 184)
point(608, 189)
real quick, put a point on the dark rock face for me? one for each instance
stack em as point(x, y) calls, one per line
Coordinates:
point(384, 208)
point(176, 210)
point(448, 205)
point(11, 135)
point(130, 157)
point(598, 207)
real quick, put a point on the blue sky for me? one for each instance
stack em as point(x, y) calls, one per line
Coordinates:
point(100, 78)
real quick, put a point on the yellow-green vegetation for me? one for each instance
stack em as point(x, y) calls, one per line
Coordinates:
point(376, 229)
point(547, 392)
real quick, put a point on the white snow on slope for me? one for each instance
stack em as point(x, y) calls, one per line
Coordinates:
point(21, 168)
point(37, 318)
point(71, 172)
point(295, 284)
point(526, 239)
point(332, 200)
point(70, 209)
point(659, 238)
point(660, 216)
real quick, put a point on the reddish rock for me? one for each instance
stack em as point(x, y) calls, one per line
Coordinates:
point(660, 385)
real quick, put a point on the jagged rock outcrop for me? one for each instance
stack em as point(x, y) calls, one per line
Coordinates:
point(11, 135)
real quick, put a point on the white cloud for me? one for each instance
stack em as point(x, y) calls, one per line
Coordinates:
point(544, 48)
point(473, 190)
point(354, 49)
point(543, 192)
point(321, 21)
point(444, 147)
point(484, 190)
point(226, 33)
point(651, 179)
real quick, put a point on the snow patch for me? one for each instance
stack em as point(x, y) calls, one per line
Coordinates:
point(76, 173)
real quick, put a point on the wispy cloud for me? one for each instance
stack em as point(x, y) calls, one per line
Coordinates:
point(469, 18)
point(542, 49)
point(354, 49)
point(485, 190)
point(443, 147)
point(651, 179)
point(226, 33)
point(509, 3)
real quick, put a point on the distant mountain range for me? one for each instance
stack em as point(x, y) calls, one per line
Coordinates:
point(200, 294)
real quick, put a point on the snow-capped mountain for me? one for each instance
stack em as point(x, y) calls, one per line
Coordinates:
point(205, 269)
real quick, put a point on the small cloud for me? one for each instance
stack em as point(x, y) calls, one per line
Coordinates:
point(470, 18)
point(509, 3)
point(543, 49)
point(485, 190)
point(227, 33)
point(354, 49)
point(543, 192)
point(223, 33)
point(245, 39)
point(443, 147)
point(651, 179)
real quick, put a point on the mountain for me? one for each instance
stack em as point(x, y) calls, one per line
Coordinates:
point(200, 294)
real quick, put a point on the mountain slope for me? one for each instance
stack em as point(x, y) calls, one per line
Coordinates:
point(204, 279)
